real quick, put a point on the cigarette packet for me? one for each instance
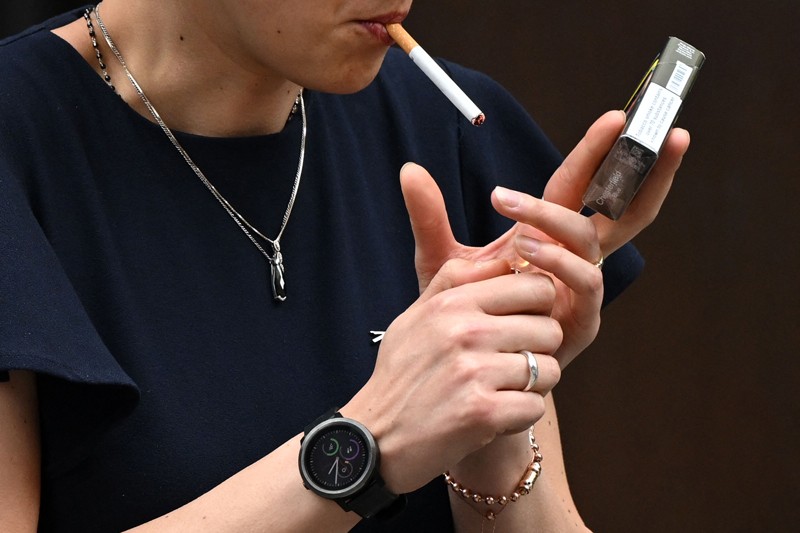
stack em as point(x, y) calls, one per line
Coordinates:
point(651, 114)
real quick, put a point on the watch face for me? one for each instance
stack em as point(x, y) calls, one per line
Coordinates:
point(336, 457)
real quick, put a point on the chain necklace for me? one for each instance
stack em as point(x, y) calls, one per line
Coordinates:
point(275, 259)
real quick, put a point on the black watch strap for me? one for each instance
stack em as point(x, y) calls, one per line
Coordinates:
point(375, 501)
point(332, 413)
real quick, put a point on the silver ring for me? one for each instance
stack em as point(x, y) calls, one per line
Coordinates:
point(533, 366)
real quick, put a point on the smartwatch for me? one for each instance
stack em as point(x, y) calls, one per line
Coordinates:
point(339, 460)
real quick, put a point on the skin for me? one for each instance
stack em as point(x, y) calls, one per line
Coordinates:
point(451, 399)
point(558, 241)
point(244, 59)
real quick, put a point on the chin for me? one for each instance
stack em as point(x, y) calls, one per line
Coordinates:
point(350, 78)
point(350, 85)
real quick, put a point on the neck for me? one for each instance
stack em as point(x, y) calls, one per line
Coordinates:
point(197, 82)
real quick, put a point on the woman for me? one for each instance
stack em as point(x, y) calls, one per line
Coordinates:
point(164, 360)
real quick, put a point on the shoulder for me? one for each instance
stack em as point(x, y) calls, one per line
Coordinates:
point(43, 87)
point(35, 62)
point(29, 44)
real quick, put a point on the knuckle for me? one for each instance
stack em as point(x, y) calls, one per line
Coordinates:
point(556, 373)
point(594, 281)
point(553, 369)
point(453, 270)
point(567, 172)
point(545, 287)
point(477, 415)
point(556, 333)
point(446, 302)
point(589, 231)
point(538, 407)
point(651, 216)
point(467, 369)
point(469, 333)
point(460, 332)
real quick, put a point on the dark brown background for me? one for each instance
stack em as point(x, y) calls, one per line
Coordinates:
point(683, 415)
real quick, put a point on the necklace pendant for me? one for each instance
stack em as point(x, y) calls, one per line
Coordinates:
point(277, 280)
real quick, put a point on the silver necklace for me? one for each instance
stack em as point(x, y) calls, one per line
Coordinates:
point(275, 259)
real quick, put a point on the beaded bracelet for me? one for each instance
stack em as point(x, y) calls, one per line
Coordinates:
point(525, 486)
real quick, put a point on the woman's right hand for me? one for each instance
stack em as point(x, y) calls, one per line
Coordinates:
point(449, 378)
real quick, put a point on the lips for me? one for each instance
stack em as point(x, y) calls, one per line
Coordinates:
point(389, 18)
point(377, 25)
point(378, 30)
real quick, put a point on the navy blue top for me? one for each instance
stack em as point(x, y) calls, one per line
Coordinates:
point(164, 366)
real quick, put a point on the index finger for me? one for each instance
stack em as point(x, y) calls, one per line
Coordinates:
point(574, 231)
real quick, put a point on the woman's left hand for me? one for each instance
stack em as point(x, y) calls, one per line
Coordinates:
point(562, 242)
point(549, 232)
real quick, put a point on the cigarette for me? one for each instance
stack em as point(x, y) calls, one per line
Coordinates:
point(438, 76)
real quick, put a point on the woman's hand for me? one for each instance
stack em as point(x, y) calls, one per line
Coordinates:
point(449, 378)
point(570, 181)
point(548, 239)
point(550, 231)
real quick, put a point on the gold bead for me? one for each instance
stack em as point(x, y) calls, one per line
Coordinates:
point(532, 473)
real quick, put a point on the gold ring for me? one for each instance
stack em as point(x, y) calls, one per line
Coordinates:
point(599, 262)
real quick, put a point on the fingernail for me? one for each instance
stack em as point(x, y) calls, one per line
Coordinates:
point(508, 197)
point(528, 245)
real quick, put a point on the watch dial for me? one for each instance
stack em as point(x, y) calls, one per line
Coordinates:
point(337, 458)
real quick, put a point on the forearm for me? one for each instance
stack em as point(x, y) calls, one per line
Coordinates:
point(19, 454)
point(267, 496)
point(497, 469)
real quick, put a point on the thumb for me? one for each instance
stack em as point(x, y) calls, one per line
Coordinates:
point(569, 182)
point(433, 236)
point(457, 272)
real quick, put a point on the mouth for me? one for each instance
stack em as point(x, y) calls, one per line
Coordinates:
point(377, 26)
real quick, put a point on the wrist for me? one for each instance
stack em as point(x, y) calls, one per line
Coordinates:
point(340, 461)
point(497, 490)
point(378, 420)
point(496, 467)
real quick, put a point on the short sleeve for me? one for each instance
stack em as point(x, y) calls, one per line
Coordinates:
point(45, 329)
